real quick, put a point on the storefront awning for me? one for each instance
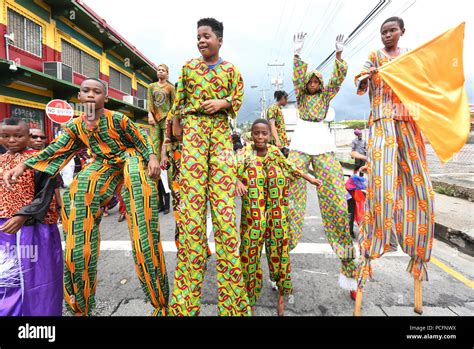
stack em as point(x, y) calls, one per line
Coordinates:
point(61, 89)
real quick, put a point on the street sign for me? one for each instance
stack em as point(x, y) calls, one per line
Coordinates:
point(59, 111)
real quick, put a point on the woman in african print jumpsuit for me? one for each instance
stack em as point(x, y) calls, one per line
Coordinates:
point(263, 177)
point(277, 122)
point(313, 144)
point(160, 98)
point(400, 196)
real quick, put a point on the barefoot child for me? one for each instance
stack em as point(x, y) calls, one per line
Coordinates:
point(263, 179)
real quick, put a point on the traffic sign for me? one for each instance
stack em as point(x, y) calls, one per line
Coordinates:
point(59, 111)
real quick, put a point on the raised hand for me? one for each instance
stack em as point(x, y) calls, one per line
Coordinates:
point(298, 42)
point(340, 44)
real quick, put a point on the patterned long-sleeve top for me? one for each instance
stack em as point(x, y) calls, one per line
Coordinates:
point(197, 83)
point(115, 139)
point(247, 159)
point(30, 196)
point(384, 103)
point(275, 113)
point(160, 99)
point(315, 107)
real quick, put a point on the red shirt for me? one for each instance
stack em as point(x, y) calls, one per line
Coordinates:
point(22, 192)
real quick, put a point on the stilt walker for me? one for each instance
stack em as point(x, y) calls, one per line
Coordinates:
point(313, 144)
point(400, 196)
point(122, 152)
point(210, 90)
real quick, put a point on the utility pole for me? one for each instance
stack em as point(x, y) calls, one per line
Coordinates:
point(277, 81)
point(263, 101)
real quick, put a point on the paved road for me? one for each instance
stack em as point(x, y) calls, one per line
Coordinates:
point(314, 272)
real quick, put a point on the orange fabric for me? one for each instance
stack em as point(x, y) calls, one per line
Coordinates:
point(430, 82)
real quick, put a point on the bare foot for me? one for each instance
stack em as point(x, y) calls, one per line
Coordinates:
point(252, 310)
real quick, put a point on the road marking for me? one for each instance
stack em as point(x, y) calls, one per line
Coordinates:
point(169, 246)
point(315, 272)
point(452, 272)
point(301, 248)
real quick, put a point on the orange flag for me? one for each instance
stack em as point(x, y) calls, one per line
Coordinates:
point(430, 82)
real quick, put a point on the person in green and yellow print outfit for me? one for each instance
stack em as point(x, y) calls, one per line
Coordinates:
point(277, 121)
point(313, 144)
point(122, 154)
point(263, 176)
point(210, 91)
point(160, 99)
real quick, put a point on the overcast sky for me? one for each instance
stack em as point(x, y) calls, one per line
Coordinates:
point(257, 32)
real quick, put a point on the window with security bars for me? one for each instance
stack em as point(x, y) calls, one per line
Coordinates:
point(28, 35)
point(80, 61)
point(120, 81)
point(141, 91)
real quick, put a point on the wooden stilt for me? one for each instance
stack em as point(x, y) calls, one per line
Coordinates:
point(358, 302)
point(418, 297)
point(281, 305)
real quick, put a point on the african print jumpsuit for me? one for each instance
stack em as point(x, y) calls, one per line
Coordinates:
point(160, 99)
point(208, 172)
point(121, 151)
point(264, 218)
point(313, 144)
point(275, 113)
point(399, 193)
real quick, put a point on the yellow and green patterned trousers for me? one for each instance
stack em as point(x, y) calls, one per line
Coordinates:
point(264, 219)
point(157, 134)
point(174, 151)
point(208, 172)
point(332, 204)
point(81, 216)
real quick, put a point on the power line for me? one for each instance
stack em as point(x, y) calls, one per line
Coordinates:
point(374, 13)
point(382, 4)
point(288, 28)
point(328, 21)
point(323, 25)
point(305, 14)
point(276, 36)
point(375, 32)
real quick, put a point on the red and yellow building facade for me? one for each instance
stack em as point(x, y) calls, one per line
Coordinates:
point(70, 32)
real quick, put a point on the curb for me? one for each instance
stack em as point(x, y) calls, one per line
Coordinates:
point(455, 238)
point(453, 190)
